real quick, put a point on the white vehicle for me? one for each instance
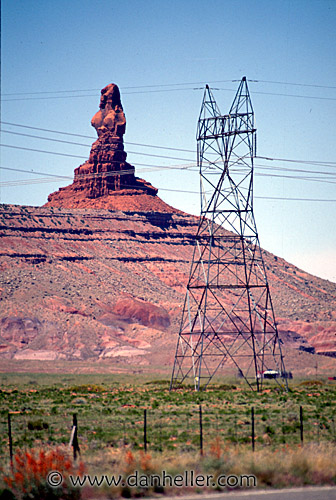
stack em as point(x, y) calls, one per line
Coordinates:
point(269, 374)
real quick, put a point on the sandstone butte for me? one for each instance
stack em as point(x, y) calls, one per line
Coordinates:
point(94, 281)
point(106, 180)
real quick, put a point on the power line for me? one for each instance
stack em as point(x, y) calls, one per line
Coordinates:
point(295, 177)
point(168, 90)
point(43, 138)
point(301, 170)
point(288, 95)
point(47, 130)
point(177, 167)
point(169, 167)
point(293, 199)
point(128, 87)
point(51, 92)
point(310, 162)
point(297, 84)
point(91, 137)
point(95, 95)
point(47, 98)
point(152, 168)
point(34, 172)
point(57, 177)
point(102, 174)
point(89, 145)
point(127, 172)
point(85, 157)
point(275, 198)
point(267, 158)
point(67, 177)
point(136, 152)
point(42, 151)
point(187, 166)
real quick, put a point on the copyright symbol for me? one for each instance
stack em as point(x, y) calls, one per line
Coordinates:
point(54, 478)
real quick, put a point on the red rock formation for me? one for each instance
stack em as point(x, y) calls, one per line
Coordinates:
point(142, 312)
point(106, 175)
point(92, 285)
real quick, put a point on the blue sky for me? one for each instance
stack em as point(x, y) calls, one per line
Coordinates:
point(161, 53)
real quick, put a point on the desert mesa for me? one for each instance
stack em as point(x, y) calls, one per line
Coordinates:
point(95, 279)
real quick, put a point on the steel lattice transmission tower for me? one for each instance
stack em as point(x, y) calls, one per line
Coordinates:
point(228, 316)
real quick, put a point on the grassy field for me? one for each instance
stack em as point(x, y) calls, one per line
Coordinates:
point(110, 412)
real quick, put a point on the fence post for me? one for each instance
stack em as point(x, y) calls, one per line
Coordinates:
point(160, 435)
point(145, 430)
point(236, 430)
point(252, 423)
point(10, 441)
point(74, 443)
point(301, 424)
point(201, 429)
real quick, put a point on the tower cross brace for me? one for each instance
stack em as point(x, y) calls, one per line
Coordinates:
point(228, 317)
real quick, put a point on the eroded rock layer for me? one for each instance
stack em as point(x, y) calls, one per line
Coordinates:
point(106, 289)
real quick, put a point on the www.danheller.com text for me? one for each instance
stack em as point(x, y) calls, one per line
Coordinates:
point(186, 479)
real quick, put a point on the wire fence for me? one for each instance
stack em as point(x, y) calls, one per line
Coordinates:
point(196, 429)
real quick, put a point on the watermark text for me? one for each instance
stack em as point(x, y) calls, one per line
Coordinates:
point(163, 480)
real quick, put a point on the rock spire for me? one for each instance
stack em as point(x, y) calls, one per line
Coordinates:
point(106, 180)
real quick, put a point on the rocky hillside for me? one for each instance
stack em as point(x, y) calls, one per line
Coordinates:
point(97, 276)
point(105, 289)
